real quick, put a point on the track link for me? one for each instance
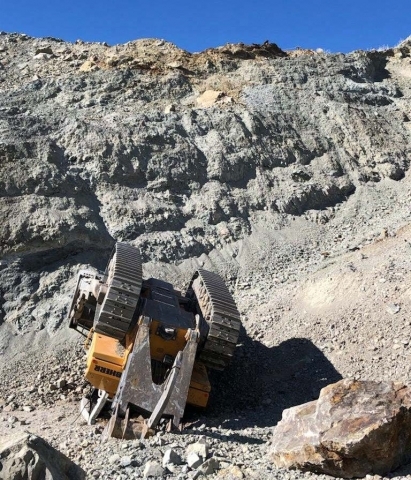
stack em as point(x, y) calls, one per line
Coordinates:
point(123, 278)
point(221, 314)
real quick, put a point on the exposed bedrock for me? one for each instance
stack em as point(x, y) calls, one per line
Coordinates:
point(99, 144)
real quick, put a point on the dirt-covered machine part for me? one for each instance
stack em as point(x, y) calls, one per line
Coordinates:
point(149, 345)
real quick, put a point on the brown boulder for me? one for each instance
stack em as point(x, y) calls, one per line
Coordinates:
point(209, 98)
point(355, 428)
point(88, 66)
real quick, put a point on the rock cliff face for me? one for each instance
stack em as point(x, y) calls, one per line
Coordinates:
point(102, 143)
point(286, 172)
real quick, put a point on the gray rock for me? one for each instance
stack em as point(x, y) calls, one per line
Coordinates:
point(47, 50)
point(153, 469)
point(171, 457)
point(209, 467)
point(393, 308)
point(113, 459)
point(200, 448)
point(169, 109)
point(170, 467)
point(125, 461)
point(24, 455)
point(61, 383)
point(194, 460)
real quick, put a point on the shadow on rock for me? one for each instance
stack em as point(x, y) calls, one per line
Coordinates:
point(402, 471)
point(261, 382)
point(24, 455)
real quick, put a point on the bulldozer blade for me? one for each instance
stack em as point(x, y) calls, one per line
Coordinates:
point(113, 428)
point(125, 423)
point(126, 429)
point(165, 397)
point(136, 385)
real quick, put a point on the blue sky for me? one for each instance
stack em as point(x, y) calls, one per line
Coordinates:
point(335, 25)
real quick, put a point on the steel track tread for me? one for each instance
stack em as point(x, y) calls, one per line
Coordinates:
point(222, 316)
point(124, 280)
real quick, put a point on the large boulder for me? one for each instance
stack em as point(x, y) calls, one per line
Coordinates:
point(355, 428)
point(27, 457)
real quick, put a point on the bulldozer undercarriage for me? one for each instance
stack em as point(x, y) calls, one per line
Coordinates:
point(149, 328)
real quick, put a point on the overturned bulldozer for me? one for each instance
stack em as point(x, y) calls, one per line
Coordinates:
point(149, 346)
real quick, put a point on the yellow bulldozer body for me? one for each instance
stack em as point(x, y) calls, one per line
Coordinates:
point(107, 359)
point(149, 345)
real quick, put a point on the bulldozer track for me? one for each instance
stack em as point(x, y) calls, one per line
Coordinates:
point(123, 277)
point(220, 312)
